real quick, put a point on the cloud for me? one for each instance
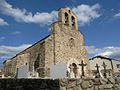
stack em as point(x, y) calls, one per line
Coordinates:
point(22, 15)
point(117, 15)
point(2, 38)
point(85, 14)
point(10, 51)
point(111, 51)
point(3, 22)
point(16, 33)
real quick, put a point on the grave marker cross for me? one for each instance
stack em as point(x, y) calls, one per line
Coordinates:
point(105, 71)
point(82, 65)
point(97, 69)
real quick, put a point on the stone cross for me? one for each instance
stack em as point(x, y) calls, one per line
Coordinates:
point(98, 70)
point(82, 65)
point(105, 71)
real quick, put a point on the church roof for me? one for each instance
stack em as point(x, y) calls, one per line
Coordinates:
point(103, 57)
point(28, 48)
point(35, 43)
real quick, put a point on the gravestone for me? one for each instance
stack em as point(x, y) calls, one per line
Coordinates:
point(58, 71)
point(22, 72)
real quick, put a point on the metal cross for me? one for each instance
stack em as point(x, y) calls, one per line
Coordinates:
point(97, 69)
point(82, 65)
point(105, 71)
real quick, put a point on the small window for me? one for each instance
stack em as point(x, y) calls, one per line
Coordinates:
point(36, 63)
point(69, 11)
point(118, 65)
point(73, 22)
point(66, 18)
point(71, 42)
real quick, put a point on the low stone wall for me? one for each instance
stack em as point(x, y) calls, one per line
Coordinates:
point(90, 84)
point(29, 84)
point(60, 84)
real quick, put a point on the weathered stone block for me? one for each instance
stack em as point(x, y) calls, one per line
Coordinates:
point(96, 81)
point(108, 86)
point(111, 80)
point(116, 87)
point(85, 84)
point(79, 81)
point(71, 84)
point(103, 81)
point(63, 82)
point(63, 88)
point(96, 88)
point(77, 88)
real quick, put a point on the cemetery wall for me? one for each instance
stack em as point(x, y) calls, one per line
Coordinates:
point(90, 84)
point(29, 84)
point(60, 84)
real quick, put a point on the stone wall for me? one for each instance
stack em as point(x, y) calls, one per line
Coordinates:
point(49, 55)
point(69, 46)
point(35, 53)
point(60, 84)
point(90, 84)
point(29, 84)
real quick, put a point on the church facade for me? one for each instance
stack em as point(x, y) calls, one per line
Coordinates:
point(64, 45)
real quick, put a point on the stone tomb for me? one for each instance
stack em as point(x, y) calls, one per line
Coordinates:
point(58, 71)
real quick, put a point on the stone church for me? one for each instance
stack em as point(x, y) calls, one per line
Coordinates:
point(64, 45)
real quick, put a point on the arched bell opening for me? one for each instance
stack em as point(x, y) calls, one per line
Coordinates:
point(66, 18)
point(73, 22)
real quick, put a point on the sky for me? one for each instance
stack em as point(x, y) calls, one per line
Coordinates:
point(24, 22)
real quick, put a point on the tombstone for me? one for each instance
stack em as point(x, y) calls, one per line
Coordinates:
point(22, 72)
point(58, 71)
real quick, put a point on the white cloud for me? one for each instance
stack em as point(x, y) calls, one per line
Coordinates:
point(2, 38)
point(117, 15)
point(16, 33)
point(10, 51)
point(85, 14)
point(3, 22)
point(112, 52)
point(22, 15)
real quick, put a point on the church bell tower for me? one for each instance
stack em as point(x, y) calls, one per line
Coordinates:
point(68, 42)
point(67, 17)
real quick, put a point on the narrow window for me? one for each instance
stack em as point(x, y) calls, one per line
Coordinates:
point(73, 22)
point(66, 18)
point(36, 63)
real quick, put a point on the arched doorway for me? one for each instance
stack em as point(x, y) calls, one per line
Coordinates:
point(73, 69)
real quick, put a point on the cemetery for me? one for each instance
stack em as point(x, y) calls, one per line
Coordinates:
point(59, 62)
